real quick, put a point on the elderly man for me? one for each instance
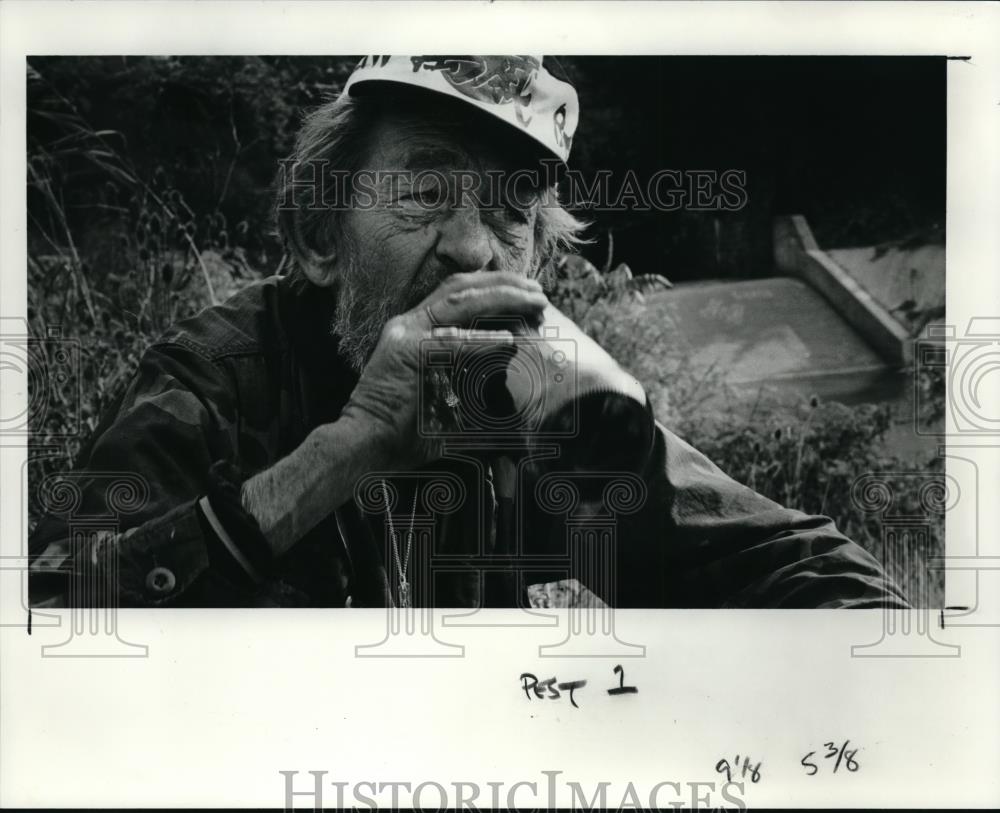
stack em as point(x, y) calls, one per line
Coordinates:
point(253, 426)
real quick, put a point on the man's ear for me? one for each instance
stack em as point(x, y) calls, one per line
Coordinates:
point(321, 270)
point(318, 263)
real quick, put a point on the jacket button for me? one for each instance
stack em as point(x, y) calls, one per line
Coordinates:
point(160, 580)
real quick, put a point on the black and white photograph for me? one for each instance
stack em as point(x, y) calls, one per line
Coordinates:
point(537, 370)
point(486, 331)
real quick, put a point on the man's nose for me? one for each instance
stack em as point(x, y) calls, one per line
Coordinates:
point(464, 241)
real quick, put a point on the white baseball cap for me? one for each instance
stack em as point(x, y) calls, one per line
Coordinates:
point(518, 90)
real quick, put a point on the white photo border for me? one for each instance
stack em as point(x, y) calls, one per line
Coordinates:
point(225, 700)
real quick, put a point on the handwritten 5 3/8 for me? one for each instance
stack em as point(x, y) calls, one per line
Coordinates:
point(837, 751)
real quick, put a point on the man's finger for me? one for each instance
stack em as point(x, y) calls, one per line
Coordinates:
point(461, 308)
point(444, 342)
point(448, 336)
point(475, 279)
point(480, 279)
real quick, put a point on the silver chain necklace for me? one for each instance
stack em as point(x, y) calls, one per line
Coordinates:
point(401, 567)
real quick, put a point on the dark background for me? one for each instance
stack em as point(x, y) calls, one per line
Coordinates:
point(855, 144)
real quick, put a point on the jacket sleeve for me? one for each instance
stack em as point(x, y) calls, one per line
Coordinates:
point(135, 514)
point(720, 544)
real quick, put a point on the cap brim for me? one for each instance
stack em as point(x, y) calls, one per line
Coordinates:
point(534, 151)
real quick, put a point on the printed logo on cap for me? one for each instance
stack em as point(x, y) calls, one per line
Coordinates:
point(515, 89)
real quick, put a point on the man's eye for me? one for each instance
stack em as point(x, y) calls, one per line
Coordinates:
point(430, 197)
point(510, 230)
point(507, 211)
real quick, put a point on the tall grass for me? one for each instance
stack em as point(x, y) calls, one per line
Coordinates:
point(112, 269)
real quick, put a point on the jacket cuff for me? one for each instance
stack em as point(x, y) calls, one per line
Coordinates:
point(236, 544)
point(155, 563)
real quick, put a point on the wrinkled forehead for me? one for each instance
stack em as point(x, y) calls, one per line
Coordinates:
point(426, 133)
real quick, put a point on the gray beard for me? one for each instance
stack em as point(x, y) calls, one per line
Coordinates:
point(361, 312)
point(364, 305)
point(365, 302)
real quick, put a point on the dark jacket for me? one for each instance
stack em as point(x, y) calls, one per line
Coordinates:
point(243, 383)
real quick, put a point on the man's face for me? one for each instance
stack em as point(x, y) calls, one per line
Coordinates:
point(448, 208)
